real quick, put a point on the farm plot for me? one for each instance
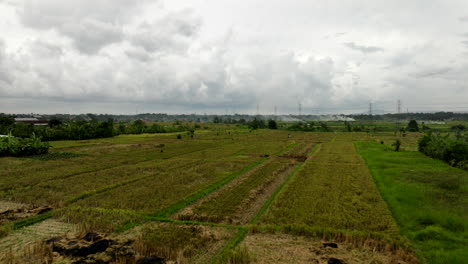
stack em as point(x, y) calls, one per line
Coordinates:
point(54, 182)
point(193, 200)
point(231, 203)
point(427, 197)
point(57, 193)
point(241, 199)
point(286, 249)
point(26, 172)
point(335, 191)
point(155, 193)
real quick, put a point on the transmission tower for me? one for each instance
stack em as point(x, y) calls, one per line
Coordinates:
point(398, 116)
point(370, 108)
point(300, 109)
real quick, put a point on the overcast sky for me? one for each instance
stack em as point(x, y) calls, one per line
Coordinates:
point(228, 56)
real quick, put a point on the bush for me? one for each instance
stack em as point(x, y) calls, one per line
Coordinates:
point(19, 147)
point(397, 145)
point(272, 124)
point(452, 151)
point(412, 126)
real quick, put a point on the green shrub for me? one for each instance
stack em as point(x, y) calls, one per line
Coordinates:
point(451, 150)
point(19, 147)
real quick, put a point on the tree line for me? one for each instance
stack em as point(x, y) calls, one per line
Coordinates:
point(79, 130)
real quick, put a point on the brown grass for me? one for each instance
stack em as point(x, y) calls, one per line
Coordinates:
point(283, 248)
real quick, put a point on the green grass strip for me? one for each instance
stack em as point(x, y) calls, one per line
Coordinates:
point(202, 193)
point(32, 220)
point(235, 240)
point(290, 146)
point(267, 204)
point(315, 150)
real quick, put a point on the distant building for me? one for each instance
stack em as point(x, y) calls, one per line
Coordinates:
point(31, 120)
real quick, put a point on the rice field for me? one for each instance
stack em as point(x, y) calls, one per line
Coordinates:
point(229, 195)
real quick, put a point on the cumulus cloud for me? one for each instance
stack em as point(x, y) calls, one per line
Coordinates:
point(90, 24)
point(362, 48)
point(184, 55)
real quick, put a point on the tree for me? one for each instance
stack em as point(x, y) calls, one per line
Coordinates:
point(458, 127)
point(5, 121)
point(54, 122)
point(138, 127)
point(255, 124)
point(272, 124)
point(412, 126)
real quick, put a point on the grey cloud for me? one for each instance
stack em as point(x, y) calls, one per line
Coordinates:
point(172, 60)
point(209, 78)
point(463, 19)
point(172, 32)
point(362, 48)
point(5, 77)
point(91, 35)
point(465, 42)
point(138, 53)
point(431, 72)
point(91, 24)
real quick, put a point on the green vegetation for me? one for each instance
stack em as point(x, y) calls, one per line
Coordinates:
point(453, 150)
point(19, 147)
point(412, 126)
point(427, 198)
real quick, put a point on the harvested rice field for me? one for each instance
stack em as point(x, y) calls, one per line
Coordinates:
point(229, 195)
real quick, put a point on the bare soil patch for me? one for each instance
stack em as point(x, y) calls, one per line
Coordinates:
point(21, 212)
